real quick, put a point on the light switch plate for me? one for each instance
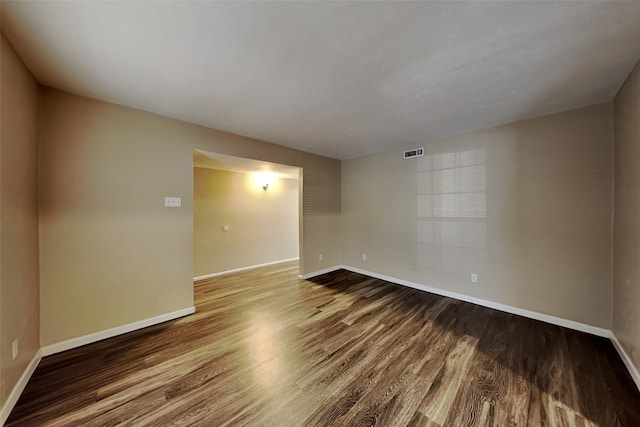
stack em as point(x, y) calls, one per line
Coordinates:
point(172, 202)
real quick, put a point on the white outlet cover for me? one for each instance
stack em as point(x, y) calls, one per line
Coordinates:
point(172, 202)
point(474, 278)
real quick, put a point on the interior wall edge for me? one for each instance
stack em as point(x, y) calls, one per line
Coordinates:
point(626, 224)
point(19, 387)
point(19, 250)
point(626, 359)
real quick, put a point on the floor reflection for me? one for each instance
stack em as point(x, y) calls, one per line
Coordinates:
point(265, 350)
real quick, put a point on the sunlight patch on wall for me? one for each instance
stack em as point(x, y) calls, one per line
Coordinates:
point(451, 210)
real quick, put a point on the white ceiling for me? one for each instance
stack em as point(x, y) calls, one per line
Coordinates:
point(341, 79)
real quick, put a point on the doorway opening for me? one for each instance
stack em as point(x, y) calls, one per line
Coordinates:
point(246, 214)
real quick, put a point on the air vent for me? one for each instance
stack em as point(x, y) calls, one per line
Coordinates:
point(415, 152)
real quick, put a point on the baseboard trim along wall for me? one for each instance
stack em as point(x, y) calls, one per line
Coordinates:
point(19, 387)
point(118, 330)
point(633, 371)
point(237, 270)
point(108, 333)
point(594, 330)
point(578, 326)
point(323, 271)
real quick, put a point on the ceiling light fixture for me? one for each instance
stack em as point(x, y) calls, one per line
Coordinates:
point(263, 179)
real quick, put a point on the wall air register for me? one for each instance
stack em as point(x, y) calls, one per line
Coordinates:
point(414, 152)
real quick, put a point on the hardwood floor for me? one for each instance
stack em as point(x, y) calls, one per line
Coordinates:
point(265, 348)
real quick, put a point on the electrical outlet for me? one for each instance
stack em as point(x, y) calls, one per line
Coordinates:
point(172, 202)
point(14, 349)
point(364, 257)
point(474, 278)
point(320, 257)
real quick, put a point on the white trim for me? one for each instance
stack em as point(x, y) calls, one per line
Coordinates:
point(571, 324)
point(118, 330)
point(237, 270)
point(19, 387)
point(633, 371)
point(320, 272)
point(17, 390)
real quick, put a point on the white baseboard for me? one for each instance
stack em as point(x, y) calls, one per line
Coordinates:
point(19, 387)
point(236, 270)
point(571, 324)
point(321, 272)
point(98, 336)
point(119, 330)
point(633, 371)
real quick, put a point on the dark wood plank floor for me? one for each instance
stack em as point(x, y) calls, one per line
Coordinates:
point(268, 349)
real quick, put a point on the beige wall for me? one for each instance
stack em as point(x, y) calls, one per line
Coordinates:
point(263, 224)
point(111, 254)
point(626, 255)
point(526, 206)
point(19, 300)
